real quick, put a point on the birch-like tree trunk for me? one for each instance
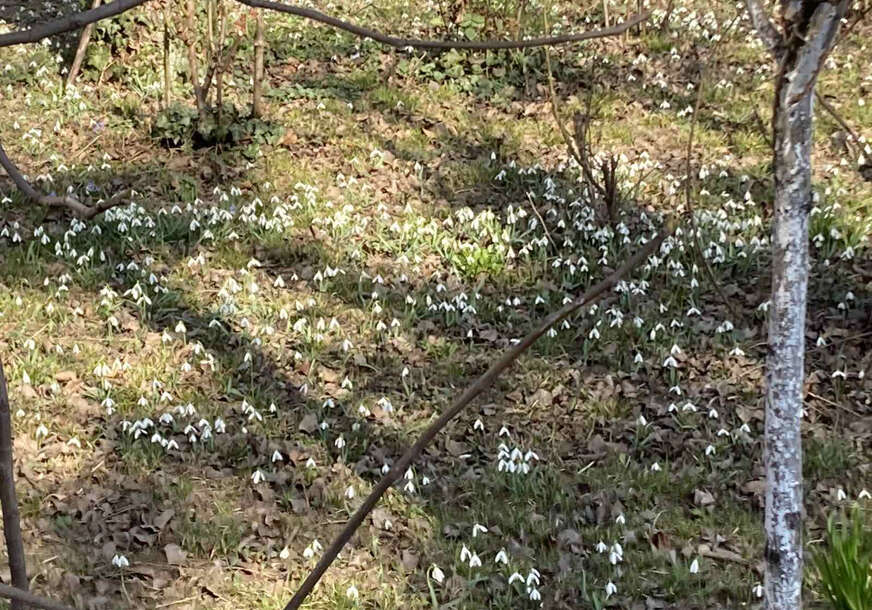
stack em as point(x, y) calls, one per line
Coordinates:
point(809, 29)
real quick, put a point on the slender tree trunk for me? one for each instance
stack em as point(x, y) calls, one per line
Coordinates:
point(257, 93)
point(8, 499)
point(190, 41)
point(785, 373)
point(167, 59)
point(810, 27)
point(81, 49)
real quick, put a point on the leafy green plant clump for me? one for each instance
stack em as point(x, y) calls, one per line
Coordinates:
point(845, 566)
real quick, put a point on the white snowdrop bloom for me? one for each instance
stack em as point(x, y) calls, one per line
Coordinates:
point(285, 553)
point(339, 442)
point(601, 547)
point(351, 592)
point(120, 561)
point(502, 557)
point(478, 528)
point(310, 463)
point(409, 487)
point(277, 456)
point(710, 450)
point(620, 520)
point(41, 431)
point(534, 594)
point(611, 589)
point(655, 467)
point(841, 495)
point(670, 362)
point(464, 553)
point(474, 561)
point(638, 359)
point(504, 432)
point(515, 576)
point(180, 327)
point(642, 421)
point(694, 566)
point(349, 492)
point(257, 477)
point(864, 495)
point(437, 574)
point(758, 590)
point(478, 425)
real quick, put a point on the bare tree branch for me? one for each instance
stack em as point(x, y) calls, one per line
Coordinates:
point(401, 43)
point(482, 383)
point(68, 23)
point(769, 35)
point(30, 599)
point(8, 499)
point(82, 210)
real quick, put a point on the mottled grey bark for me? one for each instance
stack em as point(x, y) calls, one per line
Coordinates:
point(810, 27)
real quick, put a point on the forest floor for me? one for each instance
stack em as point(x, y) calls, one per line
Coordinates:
point(208, 382)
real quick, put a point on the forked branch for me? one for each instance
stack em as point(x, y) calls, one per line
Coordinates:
point(482, 383)
point(766, 30)
point(82, 210)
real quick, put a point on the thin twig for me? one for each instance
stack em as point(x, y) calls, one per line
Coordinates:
point(30, 599)
point(8, 499)
point(833, 113)
point(481, 384)
point(542, 220)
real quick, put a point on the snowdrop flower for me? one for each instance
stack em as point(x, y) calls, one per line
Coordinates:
point(478, 528)
point(349, 493)
point(474, 561)
point(464, 553)
point(502, 557)
point(534, 594)
point(310, 463)
point(758, 590)
point(601, 547)
point(351, 592)
point(694, 566)
point(437, 574)
point(285, 553)
point(277, 456)
point(478, 425)
point(620, 520)
point(257, 477)
point(515, 576)
point(611, 589)
point(864, 495)
point(120, 561)
point(339, 442)
point(313, 548)
point(655, 467)
point(710, 450)
point(840, 495)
